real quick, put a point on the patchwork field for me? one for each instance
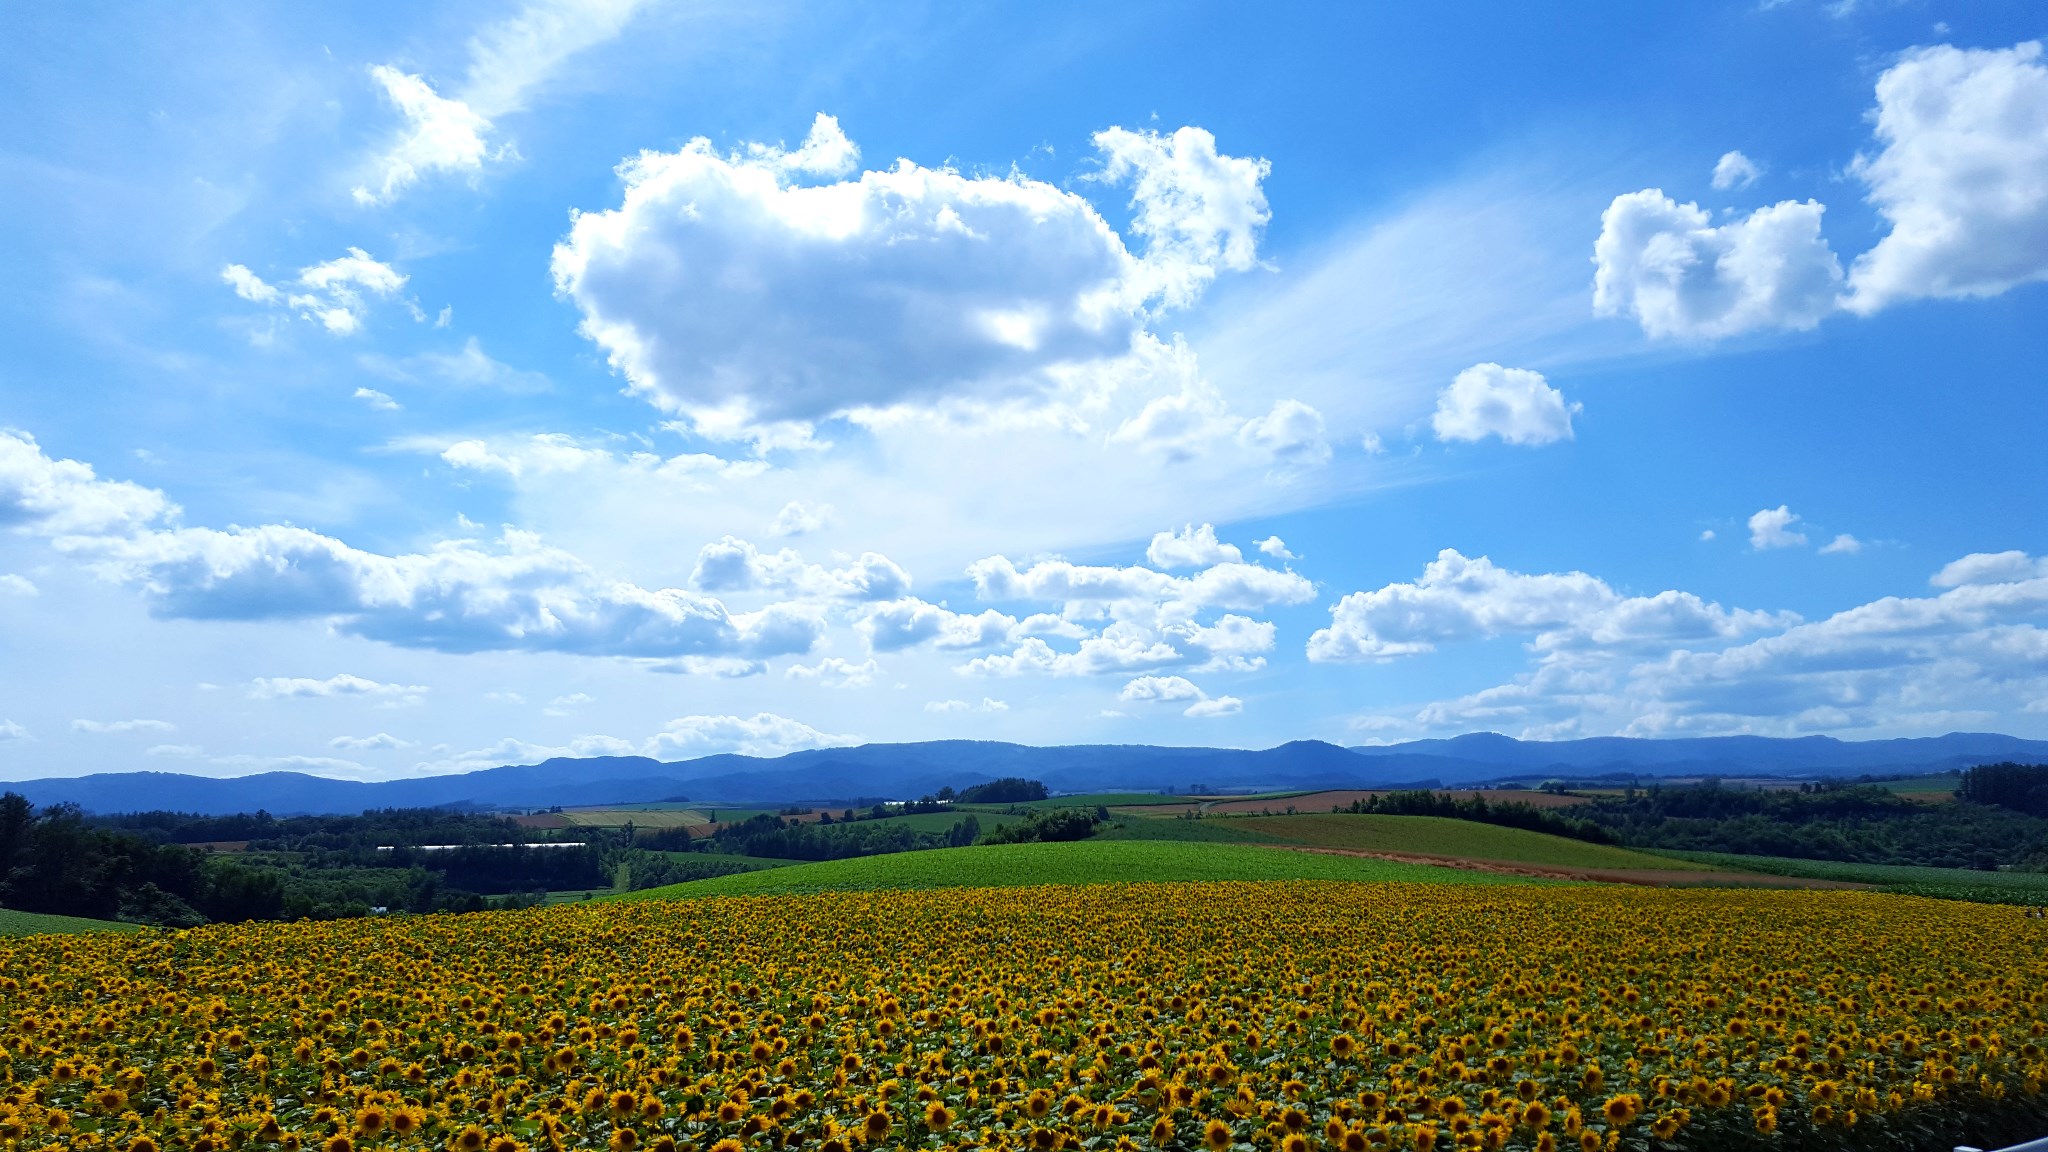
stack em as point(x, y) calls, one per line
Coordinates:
point(2030, 888)
point(1230, 1017)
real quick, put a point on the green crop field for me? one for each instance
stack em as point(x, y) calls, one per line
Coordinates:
point(1077, 862)
point(2029, 888)
point(1188, 831)
point(1104, 799)
point(944, 821)
point(14, 923)
point(1442, 836)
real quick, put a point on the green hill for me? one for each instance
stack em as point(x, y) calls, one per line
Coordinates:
point(1078, 862)
point(14, 923)
point(1443, 836)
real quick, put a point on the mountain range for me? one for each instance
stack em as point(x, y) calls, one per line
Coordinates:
point(898, 771)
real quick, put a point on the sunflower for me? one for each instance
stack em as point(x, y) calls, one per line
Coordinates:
point(1217, 1134)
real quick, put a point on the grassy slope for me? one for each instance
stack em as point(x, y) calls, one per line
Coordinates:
point(1424, 835)
point(1080, 862)
point(14, 923)
point(1943, 883)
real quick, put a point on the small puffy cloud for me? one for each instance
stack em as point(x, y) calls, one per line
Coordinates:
point(798, 518)
point(1461, 598)
point(1842, 545)
point(175, 751)
point(284, 687)
point(1961, 175)
point(988, 704)
point(734, 565)
point(381, 742)
point(567, 705)
point(1160, 688)
point(740, 291)
point(763, 734)
point(59, 497)
point(908, 622)
point(10, 731)
point(1772, 528)
point(1225, 585)
point(1990, 568)
point(1173, 689)
point(833, 672)
point(1515, 404)
point(1190, 547)
point(378, 400)
point(1706, 534)
point(332, 294)
point(1667, 266)
point(248, 285)
point(105, 727)
point(1735, 171)
point(13, 585)
point(1276, 548)
point(1292, 433)
point(440, 135)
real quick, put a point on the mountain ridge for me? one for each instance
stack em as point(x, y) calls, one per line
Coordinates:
point(901, 770)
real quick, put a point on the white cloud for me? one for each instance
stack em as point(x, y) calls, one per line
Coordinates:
point(1735, 171)
point(988, 704)
point(279, 687)
point(1772, 528)
point(763, 734)
point(1460, 598)
point(382, 741)
point(1706, 534)
point(1515, 404)
point(1160, 688)
point(1230, 584)
point(1198, 211)
point(440, 135)
point(331, 294)
point(1667, 266)
point(508, 60)
point(1276, 548)
point(1292, 433)
point(119, 726)
point(834, 672)
point(468, 367)
point(1843, 544)
point(1962, 176)
point(175, 751)
point(798, 518)
point(1173, 689)
point(1190, 547)
point(566, 705)
point(57, 497)
point(727, 290)
point(460, 597)
point(248, 285)
point(376, 399)
point(734, 565)
point(1990, 568)
point(13, 585)
point(9, 731)
point(904, 623)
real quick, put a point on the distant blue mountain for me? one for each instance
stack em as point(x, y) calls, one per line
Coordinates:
point(901, 771)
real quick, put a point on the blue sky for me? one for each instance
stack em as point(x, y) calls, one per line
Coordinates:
point(419, 388)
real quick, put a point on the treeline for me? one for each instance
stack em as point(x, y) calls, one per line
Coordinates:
point(1507, 814)
point(2020, 787)
point(1857, 823)
point(772, 836)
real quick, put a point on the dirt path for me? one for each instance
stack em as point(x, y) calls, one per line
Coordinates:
point(1652, 877)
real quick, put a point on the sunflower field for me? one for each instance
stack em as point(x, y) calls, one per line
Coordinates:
point(1254, 1017)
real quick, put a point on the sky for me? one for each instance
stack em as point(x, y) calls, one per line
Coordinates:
point(389, 390)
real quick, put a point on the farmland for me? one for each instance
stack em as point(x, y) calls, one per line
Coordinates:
point(1084, 863)
point(14, 923)
point(1228, 1016)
